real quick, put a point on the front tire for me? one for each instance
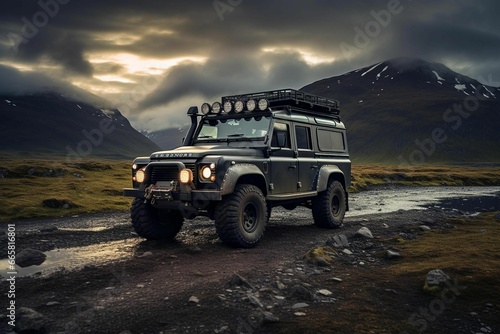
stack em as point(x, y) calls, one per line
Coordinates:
point(241, 217)
point(329, 207)
point(152, 223)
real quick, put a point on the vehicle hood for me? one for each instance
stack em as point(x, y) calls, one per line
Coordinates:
point(193, 152)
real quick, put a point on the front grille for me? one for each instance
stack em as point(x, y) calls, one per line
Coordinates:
point(168, 172)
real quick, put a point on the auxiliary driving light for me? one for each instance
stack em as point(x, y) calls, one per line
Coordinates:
point(263, 104)
point(186, 176)
point(205, 108)
point(216, 107)
point(238, 106)
point(251, 105)
point(228, 107)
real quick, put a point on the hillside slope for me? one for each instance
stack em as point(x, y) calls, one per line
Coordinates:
point(51, 124)
point(412, 111)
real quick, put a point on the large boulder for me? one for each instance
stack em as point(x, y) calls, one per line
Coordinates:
point(30, 257)
point(29, 321)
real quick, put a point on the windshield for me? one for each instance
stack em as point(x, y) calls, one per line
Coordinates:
point(246, 128)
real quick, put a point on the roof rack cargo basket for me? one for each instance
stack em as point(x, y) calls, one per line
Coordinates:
point(291, 97)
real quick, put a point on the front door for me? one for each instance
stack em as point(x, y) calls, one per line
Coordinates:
point(284, 165)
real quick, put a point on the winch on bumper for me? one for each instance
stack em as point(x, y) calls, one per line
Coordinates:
point(168, 184)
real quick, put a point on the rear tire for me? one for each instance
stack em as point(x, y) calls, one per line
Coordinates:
point(241, 217)
point(152, 223)
point(329, 207)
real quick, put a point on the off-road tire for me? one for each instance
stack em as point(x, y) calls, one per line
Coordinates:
point(152, 223)
point(329, 207)
point(241, 217)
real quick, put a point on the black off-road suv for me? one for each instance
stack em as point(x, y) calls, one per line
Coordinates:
point(240, 158)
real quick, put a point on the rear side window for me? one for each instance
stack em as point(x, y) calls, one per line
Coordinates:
point(303, 135)
point(330, 141)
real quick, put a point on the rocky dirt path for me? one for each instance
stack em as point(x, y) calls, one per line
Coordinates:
point(197, 285)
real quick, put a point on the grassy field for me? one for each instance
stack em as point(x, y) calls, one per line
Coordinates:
point(90, 186)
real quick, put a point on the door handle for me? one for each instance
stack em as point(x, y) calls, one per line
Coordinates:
point(314, 166)
point(292, 166)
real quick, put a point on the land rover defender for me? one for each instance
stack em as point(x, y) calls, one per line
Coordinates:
point(241, 157)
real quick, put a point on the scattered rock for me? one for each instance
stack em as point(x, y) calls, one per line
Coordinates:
point(78, 175)
point(390, 254)
point(335, 279)
point(325, 292)
point(255, 301)
point(300, 305)
point(299, 314)
point(364, 232)
point(53, 303)
point(338, 241)
point(30, 257)
point(238, 280)
point(302, 292)
point(269, 317)
point(145, 254)
point(280, 285)
point(435, 280)
point(194, 300)
point(424, 228)
point(29, 321)
point(384, 225)
point(347, 252)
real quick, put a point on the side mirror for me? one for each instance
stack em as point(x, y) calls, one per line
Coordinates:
point(281, 138)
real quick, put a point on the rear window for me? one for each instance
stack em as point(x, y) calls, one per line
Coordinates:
point(330, 141)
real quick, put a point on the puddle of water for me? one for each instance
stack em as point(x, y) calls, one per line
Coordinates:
point(391, 200)
point(76, 257)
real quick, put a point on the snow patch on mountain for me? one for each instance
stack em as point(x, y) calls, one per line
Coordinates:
point(373, 67)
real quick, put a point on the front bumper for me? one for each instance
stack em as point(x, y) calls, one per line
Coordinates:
point(160, 194)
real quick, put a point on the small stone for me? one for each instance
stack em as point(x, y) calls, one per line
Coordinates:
point(238, 280)
point(436, 277)
point(29, 257)
point(384, 225)
point(338, 241)
point(194, 300)
point(280, 285)
point(269, 317)
point(424, 228)
point(390, 254)
point(53, 303)
point(300, 305)
point(361, 263)
point(490, 305)
point(255, 301)
point(299, 314)
point(140, 285)
point(347, 252)
point(145, 254)
point(279, 297)
point(474, 314)
point(335, 279)
point(325, 292)
point(364, 232)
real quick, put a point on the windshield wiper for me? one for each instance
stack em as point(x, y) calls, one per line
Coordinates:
point(236, 135)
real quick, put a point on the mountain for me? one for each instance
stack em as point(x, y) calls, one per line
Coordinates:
point(412, 111)
point(52, 124)
point(167, 138)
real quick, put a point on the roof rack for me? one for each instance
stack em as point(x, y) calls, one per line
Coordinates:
point(291, 97)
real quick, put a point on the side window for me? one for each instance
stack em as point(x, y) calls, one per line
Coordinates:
point(330, 140)
point(280, 127)
point(303, 137)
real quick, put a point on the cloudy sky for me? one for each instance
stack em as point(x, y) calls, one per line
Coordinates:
point(154, 58)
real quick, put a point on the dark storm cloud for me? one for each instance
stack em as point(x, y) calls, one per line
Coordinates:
point(464, 35)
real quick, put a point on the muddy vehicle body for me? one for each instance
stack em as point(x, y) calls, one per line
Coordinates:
point(241, 157)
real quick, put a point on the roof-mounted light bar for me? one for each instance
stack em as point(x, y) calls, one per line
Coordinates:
point(264, 100)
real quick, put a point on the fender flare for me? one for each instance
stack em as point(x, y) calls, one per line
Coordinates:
point(324, 174)
point(234, 172)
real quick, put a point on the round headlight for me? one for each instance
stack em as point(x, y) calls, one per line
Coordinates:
point(216, 107)
point(205, 108)
point(134, 166)
point(251, 105)
point(238, 106)
point(206, 172)
point(228, 106)
point(140, 176)
point(186, 176)
point(263, 104)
